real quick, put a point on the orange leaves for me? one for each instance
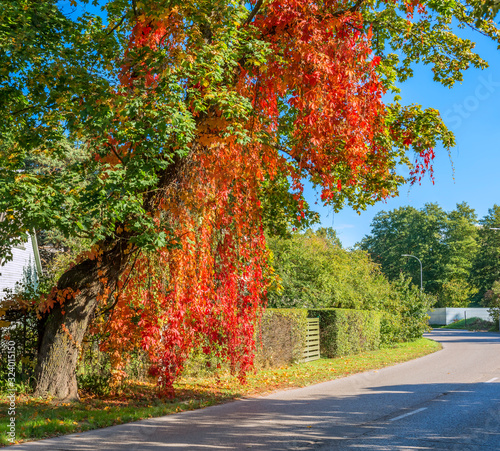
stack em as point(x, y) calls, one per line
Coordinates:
point(67, 332)
point(93, 254)
point(322, 68)
point(47, 302)
point(308, 105)
point(208, 292)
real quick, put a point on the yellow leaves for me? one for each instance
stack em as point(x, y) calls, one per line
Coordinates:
point(207, 139)
point(4, 324)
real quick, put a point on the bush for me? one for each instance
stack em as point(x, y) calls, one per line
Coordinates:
point(19, 330)
point(201, 364)
point(97, 375)
point(345, 332)
point(315, 272)
point(95, 384)
point(492, 301)
point(281, 337)
point(405, 317)
point(391, 329)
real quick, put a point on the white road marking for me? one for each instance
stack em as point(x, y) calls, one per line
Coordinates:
point(408, 414)
point(491, 380)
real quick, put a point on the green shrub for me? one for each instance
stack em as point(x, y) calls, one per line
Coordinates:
point(96, 384)
point(21, 336)
point(201, 364)
point(345, 331)
point(281, 337)
point(93, 372)
point(315, 272)
point(411, 306)
point(492, 301)
point(391, 329)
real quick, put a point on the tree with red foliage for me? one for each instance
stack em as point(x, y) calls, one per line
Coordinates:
point(194, 118)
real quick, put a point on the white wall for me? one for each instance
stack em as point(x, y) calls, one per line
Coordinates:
point(445, 316)
point(12, 271)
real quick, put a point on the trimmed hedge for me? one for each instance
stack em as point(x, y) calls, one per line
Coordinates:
point(345, 331)
point(281, 334)
point(280, 337)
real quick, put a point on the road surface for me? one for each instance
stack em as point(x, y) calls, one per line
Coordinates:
point(449, 400)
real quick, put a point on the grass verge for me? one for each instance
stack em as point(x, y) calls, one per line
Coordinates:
point(41, 418)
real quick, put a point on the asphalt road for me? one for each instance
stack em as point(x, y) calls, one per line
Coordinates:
point(449, 400)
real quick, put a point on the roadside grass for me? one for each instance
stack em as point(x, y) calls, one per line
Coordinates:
point(38, 418)
point(474, 324)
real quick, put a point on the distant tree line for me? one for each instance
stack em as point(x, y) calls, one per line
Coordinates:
point(460, 254)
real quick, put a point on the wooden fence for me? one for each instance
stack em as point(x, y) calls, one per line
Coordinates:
point(311, 350)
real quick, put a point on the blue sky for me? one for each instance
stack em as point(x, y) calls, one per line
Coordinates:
point(472, 111)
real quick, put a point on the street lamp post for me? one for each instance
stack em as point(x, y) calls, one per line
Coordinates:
point(421, 277)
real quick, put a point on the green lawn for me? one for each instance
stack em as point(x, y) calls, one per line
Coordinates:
point(41, 418)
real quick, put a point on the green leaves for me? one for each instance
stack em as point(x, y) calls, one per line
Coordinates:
point(87, 82)
point(485, 10)
point(281, 211)
point(85, 79)
point(446, 243)
point(486, 269)
point(429, 37)
point(316, 272)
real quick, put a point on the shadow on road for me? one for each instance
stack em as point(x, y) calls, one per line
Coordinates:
point(332, 422)
point(363, 412)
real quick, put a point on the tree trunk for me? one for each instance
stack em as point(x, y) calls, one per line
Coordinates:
point(63, 329)
point(64, 326)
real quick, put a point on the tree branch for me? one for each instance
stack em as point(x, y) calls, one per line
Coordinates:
point(117, 25)
point(254, 11)
point(116, 153)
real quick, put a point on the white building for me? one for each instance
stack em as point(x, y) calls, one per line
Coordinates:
point(25, 259)
point(447, 315)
